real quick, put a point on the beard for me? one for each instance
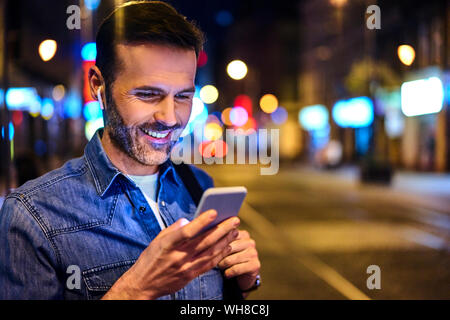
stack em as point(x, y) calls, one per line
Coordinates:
point(130, 140)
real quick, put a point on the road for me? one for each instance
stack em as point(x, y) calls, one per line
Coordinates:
point(317, 234)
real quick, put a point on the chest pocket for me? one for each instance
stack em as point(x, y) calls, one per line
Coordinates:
point(99, 280)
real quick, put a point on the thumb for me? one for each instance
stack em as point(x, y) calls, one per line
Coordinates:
point(179, 224)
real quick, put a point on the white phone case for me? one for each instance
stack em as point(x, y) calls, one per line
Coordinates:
point(226, 201)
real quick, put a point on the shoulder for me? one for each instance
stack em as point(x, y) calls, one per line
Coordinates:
point(71, 169)
point(205, 180)
point(45, 199)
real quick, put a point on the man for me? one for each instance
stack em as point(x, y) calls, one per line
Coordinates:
point(120, 216)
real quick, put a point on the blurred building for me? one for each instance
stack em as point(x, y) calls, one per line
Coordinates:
point(341, 59)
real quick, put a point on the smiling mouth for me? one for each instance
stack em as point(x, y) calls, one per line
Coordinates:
point(157, 136)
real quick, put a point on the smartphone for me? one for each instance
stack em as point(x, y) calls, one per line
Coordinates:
point(226, 201)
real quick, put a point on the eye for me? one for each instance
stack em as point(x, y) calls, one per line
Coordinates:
point(183, 96)
point(146, 94)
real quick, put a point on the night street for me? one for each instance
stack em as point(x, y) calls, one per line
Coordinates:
point(325, 125)
point(317, 234)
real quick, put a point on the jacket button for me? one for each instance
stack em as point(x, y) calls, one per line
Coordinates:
point(142, 209)
point(163, 203)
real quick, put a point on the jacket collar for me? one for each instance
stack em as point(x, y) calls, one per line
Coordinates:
point(104, 172)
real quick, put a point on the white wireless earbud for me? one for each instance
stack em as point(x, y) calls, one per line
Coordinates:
point(99, 97)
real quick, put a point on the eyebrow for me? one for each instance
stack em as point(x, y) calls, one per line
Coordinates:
point(157, 89)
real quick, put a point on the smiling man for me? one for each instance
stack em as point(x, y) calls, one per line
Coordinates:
point(118, 222)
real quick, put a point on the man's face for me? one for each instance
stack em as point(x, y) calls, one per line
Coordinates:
point(151, 100)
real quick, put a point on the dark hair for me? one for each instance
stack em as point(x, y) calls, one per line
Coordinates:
point(137, 22)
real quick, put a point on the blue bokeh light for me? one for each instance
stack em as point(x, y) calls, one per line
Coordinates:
point(11, 131)
point(72, 105)
point(21, 98)
point(92, 111)
point(353, 113)
point(92, 4)
point(279, 116)
point(89, 51)
point(47, 108)
point(314, 117)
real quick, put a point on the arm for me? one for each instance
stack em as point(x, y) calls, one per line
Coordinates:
point(27, 261)
point(175, 257)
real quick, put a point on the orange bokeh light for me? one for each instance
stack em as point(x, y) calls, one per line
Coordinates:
point(226, 116)
point(217, 148)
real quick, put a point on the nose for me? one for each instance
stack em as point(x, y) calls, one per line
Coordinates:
point(166, 112)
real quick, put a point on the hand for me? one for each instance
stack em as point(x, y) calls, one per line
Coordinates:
point(179, 254)
point(242, 262)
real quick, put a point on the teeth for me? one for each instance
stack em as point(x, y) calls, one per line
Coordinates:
point(156, 134)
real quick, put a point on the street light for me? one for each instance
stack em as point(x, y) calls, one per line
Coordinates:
point(237, 69)
point(406, 54)
point(47, 49)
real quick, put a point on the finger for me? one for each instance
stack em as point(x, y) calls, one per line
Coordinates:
point(250, 267)
point(242, 244)
point(208, 259)
point(213, 235)
point(243, 234)
point(183, 231)
point(246, 255)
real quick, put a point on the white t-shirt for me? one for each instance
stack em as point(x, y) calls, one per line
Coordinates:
point(148, 185)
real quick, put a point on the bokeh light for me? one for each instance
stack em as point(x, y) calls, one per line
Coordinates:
point(21, 98)
point(35, 109)
point(422, 96)
point(202, 59)
point(215, 118)
point(209, 94)
point(216, 148)
point(238, 116)
point(313, 117)
point(92, 111)
point(91, 4)
point(245, 102)
point(199, 115)
point(237, 69)
point(406, 54)
point(354, 113)
point(213, 131)
point(47, 108)
point(225, 117)
point(11, 131)
point(279, 116)
point(89, 51)
point(58, 92)
point(268, 103)
point(17, 118)
point(247, 128)
point(72, 105)
point(47, 49)
point(92, 126)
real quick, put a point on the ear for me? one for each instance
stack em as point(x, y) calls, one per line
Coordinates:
point(96, 82)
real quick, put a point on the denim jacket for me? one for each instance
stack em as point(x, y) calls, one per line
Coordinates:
point(89, 217)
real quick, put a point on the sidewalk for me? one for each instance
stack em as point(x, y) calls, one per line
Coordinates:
point(428, 190)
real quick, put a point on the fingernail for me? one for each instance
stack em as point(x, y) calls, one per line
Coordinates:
point(235, 233)
point(212, 214)
point(236, 222)
point(183, 222)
